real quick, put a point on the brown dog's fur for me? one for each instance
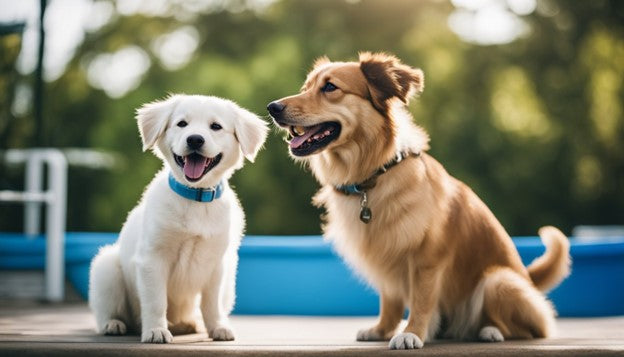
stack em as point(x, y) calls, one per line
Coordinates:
point(432, 245)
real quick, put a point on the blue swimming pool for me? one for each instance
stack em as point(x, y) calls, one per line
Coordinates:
point(302, 275)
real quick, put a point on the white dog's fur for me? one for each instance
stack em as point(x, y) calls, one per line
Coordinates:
point(172, 249)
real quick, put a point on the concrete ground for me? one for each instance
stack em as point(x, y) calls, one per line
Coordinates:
point(68, 330)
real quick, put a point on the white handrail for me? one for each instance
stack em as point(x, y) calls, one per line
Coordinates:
point(55, 198)
point(17, 196)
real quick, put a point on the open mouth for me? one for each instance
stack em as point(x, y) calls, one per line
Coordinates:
point(195, 166)
point(309, 139)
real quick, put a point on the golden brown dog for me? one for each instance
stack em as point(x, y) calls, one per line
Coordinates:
point(422, 238)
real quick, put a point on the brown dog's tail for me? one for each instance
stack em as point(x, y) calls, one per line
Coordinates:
point(553, 266)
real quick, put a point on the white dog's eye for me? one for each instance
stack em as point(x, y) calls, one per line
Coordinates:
point(215, 126)
point(182, 123)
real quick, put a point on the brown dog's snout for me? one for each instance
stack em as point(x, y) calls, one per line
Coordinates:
point(276, 109)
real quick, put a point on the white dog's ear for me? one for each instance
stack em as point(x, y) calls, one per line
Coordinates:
point(152, 119)
point(250, 131)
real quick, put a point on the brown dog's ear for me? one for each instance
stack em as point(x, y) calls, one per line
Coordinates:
point(389, 78)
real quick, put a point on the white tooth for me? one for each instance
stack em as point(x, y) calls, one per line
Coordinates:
point(309, 140)
point(326, 132)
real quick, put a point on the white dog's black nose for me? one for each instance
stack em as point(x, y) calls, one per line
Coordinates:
point(195, 141)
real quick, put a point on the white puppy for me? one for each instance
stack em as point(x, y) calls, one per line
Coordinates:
point(181, 240)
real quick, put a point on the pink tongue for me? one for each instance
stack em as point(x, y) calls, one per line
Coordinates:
point(194, 166)
point(299, 140)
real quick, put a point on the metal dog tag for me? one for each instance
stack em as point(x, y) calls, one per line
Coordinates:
point(365, 214)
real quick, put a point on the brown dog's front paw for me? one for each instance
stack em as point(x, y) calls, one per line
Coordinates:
point(222, 333)
point(405, 341)
point(371, 334)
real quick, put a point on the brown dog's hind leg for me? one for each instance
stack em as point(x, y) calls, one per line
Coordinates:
point(514, 307)
point(391, 312)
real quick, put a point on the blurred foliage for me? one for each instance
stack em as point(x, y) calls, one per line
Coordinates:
point(535, 127)
point(10, 44)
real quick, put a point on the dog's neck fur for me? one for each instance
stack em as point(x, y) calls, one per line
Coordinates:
point(358, 158)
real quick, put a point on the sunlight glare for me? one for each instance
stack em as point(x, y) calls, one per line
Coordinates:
point(119, 72)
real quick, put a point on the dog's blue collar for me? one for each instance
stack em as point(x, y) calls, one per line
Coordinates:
point(362, 187)
point(196, 194)
point(349, 189)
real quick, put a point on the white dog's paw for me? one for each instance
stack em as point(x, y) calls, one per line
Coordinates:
point(370, 334)
point(157, 335)
point(222, 334)
point(114, 327)
point(405, 341)
point(491, 334)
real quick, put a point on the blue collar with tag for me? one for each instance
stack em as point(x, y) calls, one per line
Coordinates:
point(196, 194)
point(361, 188)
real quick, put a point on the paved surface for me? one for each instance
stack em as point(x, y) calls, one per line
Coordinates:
point(68, 330)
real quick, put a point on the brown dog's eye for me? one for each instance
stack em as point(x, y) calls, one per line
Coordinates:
point(182, 123)
point(328, 87)
point(215, 126)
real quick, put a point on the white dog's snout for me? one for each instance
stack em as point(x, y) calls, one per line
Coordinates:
point(195, 141)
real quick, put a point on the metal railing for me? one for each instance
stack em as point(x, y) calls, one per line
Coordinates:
point(55, 198)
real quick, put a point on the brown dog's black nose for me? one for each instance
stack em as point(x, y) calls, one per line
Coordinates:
point(195, 141)
point(275, 108)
